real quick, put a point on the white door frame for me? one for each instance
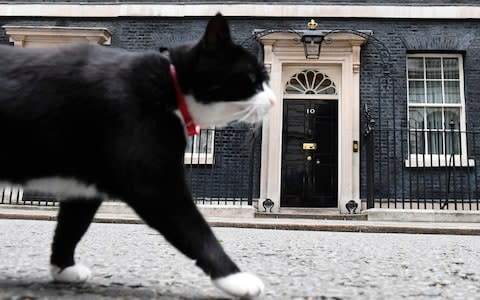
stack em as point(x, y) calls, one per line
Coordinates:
point(281, 51)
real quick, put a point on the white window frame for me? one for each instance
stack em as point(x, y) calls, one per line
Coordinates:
point(202, 158)
point(439, 160)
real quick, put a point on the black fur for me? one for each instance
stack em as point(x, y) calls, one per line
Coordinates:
point(106, 117)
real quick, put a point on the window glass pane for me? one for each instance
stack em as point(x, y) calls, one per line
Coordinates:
point(452, 92)
point(294, 87)
point(416, 92)
point(190, 145)
point(435, 133)
point(452, 142)
point(202, 143)
point(450, 68)
point(329, 91)
point(209, 141)
point(434, 92)
point(416, 118)
point(434, 118)
point(435, 141)
point(416, 142)
point(415, 68)
point(452, 138)
point(452, 116)
point(433, 68)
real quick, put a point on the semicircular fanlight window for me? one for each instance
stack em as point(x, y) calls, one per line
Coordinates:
point(310, 82)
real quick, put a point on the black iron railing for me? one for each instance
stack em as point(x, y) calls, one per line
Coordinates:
point(222, 167)
point(415, 168)
point(17, 195)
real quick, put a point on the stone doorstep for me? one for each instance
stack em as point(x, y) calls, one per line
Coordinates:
point(314, 215)
point(423, 215)
point(310, 213)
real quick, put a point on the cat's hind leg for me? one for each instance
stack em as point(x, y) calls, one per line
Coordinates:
point(74, 218)
point(173, 213)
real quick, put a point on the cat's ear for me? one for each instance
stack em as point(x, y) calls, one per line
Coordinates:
point(217, 34)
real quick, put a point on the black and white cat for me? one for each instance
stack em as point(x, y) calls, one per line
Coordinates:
point(90, 122)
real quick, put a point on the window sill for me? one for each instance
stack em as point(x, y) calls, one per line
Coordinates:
point(435, 161)
point(198, 159)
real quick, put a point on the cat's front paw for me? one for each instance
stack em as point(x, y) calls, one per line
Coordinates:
point(75, 274)
point(243, 285)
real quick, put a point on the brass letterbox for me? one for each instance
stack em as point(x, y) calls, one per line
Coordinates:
point(309, 146)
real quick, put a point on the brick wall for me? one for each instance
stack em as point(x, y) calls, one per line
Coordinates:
point(386, 96)
point(235, 170)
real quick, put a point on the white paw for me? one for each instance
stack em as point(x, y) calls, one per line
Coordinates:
point(75, 273)
point(242, 285)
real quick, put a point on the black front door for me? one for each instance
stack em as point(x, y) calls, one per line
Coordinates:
point(309, 154)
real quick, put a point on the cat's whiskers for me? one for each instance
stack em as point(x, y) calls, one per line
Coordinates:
point(242, 112)
point(248, 113)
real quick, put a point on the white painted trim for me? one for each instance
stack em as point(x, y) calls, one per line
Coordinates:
point(198, 159)
point(113, 10)
point(432, 161)
point(44, 36)
point(284, 56)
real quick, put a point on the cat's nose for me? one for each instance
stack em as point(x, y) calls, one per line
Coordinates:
point(272, 101)
point(270, 95)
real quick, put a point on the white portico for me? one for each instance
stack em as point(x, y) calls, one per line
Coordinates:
point(333, 78)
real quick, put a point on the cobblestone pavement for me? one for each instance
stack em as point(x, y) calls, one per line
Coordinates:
point(134, 262)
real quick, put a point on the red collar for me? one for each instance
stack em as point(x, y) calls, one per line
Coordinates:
point(192, 128)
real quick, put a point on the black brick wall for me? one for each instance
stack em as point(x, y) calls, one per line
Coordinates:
point(235, 169)
point(385, 96)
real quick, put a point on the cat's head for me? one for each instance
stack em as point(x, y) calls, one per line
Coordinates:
point(225, 82)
